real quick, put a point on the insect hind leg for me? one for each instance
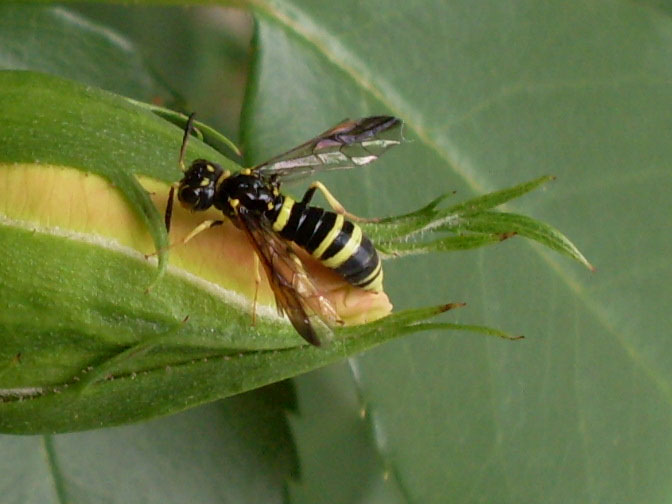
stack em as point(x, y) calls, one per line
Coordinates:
point(333, 202)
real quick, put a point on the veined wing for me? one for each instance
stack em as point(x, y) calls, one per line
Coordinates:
point(346, 145)
point(310, 313)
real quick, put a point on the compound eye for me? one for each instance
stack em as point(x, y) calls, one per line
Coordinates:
point(188, 195)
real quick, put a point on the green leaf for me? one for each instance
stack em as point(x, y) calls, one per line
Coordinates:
point(431, 218)
point(60, 42)
point(493, 222)
point(492, 94)
point(70, 120)
point(396, 236)
point(201, 130)
point(228, 451)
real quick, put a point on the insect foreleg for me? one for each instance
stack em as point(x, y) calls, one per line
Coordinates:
point(198, 229)
point(333, 202)
point(207, 224)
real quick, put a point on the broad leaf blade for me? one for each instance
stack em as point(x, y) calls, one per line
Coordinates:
point(491, 94)
point(138, 463)
point(60, 42)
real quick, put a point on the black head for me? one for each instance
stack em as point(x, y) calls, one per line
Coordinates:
point(197, 188)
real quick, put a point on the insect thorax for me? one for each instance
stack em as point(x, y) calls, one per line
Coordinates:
point(248, 191)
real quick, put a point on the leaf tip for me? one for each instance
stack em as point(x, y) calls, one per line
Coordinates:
point(506, 236)
point(450, 306)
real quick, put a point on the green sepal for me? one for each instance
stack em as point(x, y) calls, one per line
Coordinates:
point(471, 224)
point(202, 131)
point(51, 120)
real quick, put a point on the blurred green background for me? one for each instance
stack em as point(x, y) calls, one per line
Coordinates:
point(201, 54)
point(493, 93)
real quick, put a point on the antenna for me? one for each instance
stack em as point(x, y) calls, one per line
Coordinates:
point(187, 131)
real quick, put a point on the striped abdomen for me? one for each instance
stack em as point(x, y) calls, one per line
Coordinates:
point(336, 242)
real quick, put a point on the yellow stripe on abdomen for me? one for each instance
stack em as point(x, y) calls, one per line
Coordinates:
point(331, 236)
point(347, 251)
point(283, 215)
point(374, 282)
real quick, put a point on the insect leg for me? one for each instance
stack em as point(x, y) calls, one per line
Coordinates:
point(168, 216)
point(197, 230)
point(257, 281)
point(333, 202)
point(207, 224)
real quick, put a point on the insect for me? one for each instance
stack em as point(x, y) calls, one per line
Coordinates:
point(274, 223)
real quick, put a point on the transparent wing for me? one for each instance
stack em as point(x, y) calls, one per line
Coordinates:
point(346, 145)
point(310, 313)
